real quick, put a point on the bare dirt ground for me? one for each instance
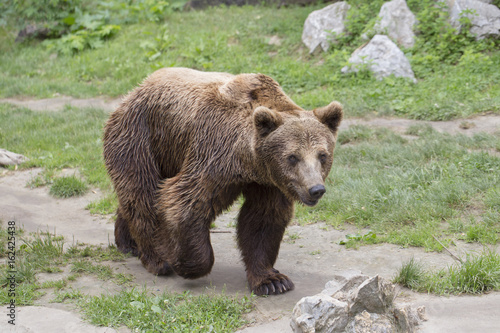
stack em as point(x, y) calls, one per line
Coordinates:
point(310, 261)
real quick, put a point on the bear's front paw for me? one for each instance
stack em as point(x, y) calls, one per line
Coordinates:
point(273, 283)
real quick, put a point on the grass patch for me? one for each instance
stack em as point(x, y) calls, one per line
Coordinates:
point(44, 252)
point(104, 206)
point(477, 273)
point(147, 312)
point(138, 310)
point(66, 187)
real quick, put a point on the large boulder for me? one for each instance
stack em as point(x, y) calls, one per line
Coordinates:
point(382, 57)
point(396, 21)
point(485, 17)
point(321, 26)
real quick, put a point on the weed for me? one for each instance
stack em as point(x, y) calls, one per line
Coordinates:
point(291, 238)
point(66, 187)
point(72, 294)
point(411, 275)
point(102, 272)
point(353, 240)
point(57, 284)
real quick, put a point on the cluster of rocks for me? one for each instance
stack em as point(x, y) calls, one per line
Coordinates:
point(394, 27)
point(10, 158)
point(355, 303)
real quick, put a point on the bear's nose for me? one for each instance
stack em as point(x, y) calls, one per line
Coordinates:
point(317, 191)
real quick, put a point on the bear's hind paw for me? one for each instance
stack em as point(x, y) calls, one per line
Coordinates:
point(274, 284)
point(132, 250)
point(159, 268)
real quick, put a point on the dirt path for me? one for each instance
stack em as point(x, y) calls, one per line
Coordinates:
point(311, 260)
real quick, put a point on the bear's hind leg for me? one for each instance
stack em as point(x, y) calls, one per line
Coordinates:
point(186, 209)
point(261, 225)
point(123, 239)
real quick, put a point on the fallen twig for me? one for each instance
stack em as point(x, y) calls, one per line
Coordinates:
point(451, 254)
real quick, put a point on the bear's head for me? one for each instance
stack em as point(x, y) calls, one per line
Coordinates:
point(296, 149)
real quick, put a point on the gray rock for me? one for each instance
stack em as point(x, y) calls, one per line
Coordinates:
point(322, 25)
point(408, 318)
point(343, 285)
point(366, 305)
point(382, 57)
point(485, 19)
point(374, 295)
point(365, 322)
point(397, 21)
point(32, 31)
point(10, 158)
point(319, 313)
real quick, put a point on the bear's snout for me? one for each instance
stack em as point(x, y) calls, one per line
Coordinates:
point(317, 191)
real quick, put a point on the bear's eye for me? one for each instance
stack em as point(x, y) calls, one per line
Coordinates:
point(322, 157)
point(293, 159)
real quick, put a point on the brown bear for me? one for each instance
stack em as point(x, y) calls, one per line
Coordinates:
point(185, 144)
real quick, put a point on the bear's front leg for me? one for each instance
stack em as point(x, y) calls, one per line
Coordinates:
point(261, 225)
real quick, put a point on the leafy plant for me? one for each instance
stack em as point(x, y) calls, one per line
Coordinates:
point(86, 31)
point(352, 239)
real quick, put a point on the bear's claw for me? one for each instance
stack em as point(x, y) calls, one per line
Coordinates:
point(274, 284)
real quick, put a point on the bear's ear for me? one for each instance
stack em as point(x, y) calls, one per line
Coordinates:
point(266, 120)
point(330, 115)
point(241, 88)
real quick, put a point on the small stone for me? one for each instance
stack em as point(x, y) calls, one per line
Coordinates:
point(322, 25)
point(274, 40)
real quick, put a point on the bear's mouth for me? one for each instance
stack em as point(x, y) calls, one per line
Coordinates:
point(309, 202)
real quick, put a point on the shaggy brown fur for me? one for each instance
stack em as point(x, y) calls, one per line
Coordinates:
point(185, 144)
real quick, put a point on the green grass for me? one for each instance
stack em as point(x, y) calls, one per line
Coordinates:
point(103, 206)
point(477, 273)
point(66, 187)
point(144, 311)
point(67, 139)
point(460, 85)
